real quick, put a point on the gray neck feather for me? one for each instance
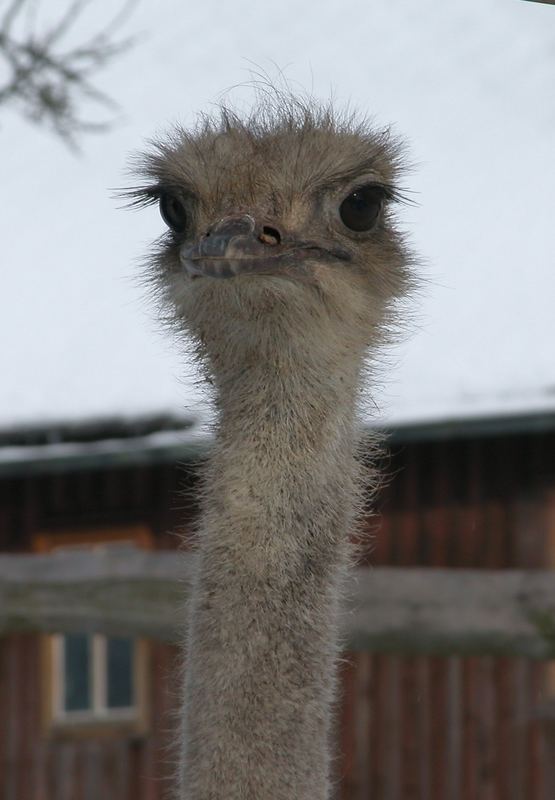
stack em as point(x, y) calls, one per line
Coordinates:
point(280, 494)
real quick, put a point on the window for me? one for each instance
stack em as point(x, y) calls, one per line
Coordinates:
point(94, 682)
point(94, 678)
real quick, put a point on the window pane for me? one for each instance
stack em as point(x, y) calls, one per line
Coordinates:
point(76, 672)
point(120, 672)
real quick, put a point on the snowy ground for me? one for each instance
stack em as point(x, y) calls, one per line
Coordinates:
point(470, 85)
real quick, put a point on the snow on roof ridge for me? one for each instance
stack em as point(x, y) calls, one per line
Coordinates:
point(94, 428)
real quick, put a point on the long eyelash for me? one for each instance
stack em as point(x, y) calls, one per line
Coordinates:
point(148, 195)
point(140, 196)
point(395, 195)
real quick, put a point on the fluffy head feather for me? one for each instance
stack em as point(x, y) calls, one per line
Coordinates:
point(288, 165)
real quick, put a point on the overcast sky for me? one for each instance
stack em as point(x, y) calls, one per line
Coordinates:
point(468, 84)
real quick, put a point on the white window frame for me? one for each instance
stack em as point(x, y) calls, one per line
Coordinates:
point(99, 719)
point(98, 710)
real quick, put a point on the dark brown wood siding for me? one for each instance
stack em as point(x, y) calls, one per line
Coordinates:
point(438, 728)
point(37, 767)
point(408, 728)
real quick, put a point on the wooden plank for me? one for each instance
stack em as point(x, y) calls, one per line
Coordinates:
point(409, 742)
point(113, 591)
point(396, 610)
point(392, 729)
point(443, 611)
point(453, 774)
point(378, 730)
point(437, 754)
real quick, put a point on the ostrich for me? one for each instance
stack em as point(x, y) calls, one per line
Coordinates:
point(282, 264)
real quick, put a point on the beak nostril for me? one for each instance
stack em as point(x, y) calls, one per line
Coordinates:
point(270, 235)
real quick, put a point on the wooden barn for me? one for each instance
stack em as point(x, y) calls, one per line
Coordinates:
point(86, 713)
point(89, 716)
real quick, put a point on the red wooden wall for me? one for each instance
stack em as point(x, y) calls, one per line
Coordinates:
point(33, 767)
point(408, 728)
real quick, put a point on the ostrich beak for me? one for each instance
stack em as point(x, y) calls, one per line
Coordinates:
point(236, 245)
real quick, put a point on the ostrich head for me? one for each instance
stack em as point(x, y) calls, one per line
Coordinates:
point(280, 229)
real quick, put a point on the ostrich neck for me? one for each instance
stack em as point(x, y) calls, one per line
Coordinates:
point(273, 546)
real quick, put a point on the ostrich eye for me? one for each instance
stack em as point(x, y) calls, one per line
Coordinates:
point(359, 210)
point(173, 212)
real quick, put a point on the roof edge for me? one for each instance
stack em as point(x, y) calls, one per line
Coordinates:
point(188, 442)
point(464, 428)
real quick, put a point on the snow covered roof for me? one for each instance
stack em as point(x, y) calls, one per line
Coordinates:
point(470, 85)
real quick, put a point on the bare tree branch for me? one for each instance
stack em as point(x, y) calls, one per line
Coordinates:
point(48, 82)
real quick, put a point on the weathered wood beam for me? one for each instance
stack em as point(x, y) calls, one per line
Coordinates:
point(442, 611)
point(112, 591)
